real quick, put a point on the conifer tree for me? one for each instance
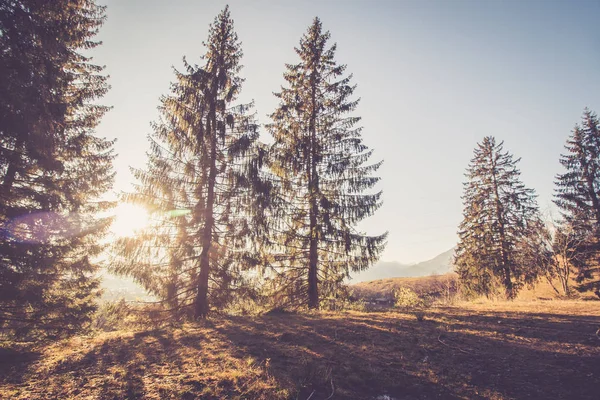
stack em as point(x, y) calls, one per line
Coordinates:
point(52, 168)
point(318, 157)
point(577, 195)
point(501, 221)
point(203, 183)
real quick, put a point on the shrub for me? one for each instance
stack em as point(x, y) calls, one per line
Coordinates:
point(358, 305)
point(407, 298)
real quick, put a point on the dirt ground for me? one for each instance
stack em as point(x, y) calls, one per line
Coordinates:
point(518, 350)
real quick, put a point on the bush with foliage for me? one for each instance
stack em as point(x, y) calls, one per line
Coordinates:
point(408, 298)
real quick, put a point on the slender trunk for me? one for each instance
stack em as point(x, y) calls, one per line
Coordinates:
point(549, 279)
point(565, 286)
point(508, 285)
point(201, 302)
point(313, 282)
point(564, 278)
point(313, 291)
point(201, 305)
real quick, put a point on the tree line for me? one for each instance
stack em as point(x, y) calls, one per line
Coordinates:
point(234, 219)
point(271, 223)
point(503, 240)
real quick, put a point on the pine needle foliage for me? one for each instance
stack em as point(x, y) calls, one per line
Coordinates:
point(577, 195)
point(320, 165)
point(499, 234)
point(203, 185)
point(53, 169)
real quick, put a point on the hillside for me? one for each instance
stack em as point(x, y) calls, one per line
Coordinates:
point(440, 264)
point(536, 350)
point(116, 287)
point(433, 285)
point(440, 286)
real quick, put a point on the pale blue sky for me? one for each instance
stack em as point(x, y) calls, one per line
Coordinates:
point(435, 77)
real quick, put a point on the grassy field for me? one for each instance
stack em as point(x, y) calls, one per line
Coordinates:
point(541, 350)
point(445, 286)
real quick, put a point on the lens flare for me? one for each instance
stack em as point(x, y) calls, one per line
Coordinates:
point(129, 220)
point(42, 227)
point(177, 213)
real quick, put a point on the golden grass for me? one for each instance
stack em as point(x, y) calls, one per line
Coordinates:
point(420, 285)
point(440, 286)
point(495, 350)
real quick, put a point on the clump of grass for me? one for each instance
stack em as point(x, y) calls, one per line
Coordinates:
point(420, 315)
point(112, 316)
point(279, 310)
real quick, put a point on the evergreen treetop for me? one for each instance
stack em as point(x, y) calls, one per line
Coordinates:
point(500, 215)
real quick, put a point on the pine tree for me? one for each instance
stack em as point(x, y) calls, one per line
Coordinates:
point(203, 183)
point(497, 237)
point(318, 157)
point(53, 169)
point(577, 195)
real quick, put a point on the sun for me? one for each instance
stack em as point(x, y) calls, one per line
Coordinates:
point(129, 219)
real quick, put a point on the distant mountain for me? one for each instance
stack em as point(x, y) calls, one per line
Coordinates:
point(440, 264)
point(116, 287)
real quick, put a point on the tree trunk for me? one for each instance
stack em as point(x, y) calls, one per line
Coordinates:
point(508, 285)
point(201, 302)
point(564, 279)
point(313, 291)
point(549, 280)
point(313, 281)
point(201, 305)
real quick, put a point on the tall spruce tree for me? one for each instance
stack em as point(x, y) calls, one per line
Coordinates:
point(577, 195)
point(318, 158)
point(52, 167)
point(501, 220)
point(203, 185)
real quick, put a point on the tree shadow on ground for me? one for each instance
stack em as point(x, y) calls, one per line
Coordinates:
point(113, 367)
point(566, 329)
point(321, 357)
point(449, 354)
point(366, 355)
point(14, 360)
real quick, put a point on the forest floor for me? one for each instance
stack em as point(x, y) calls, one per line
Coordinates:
point(518, 350)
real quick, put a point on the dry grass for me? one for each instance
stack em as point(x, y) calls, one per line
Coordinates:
point(425, 285)
point(546, 349)
point(445, 286)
